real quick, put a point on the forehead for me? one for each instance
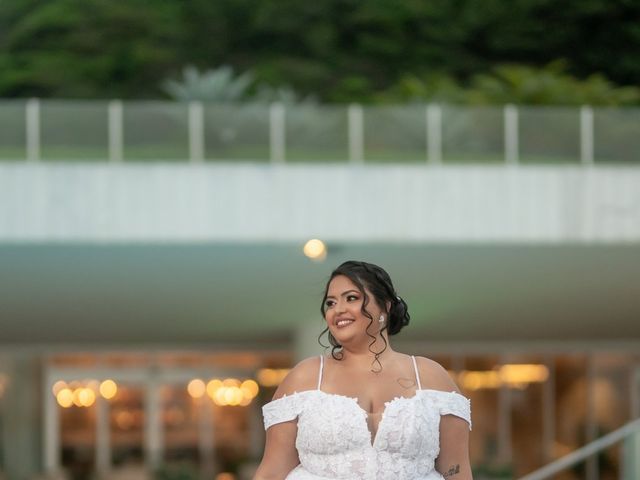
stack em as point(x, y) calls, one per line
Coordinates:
point(340, 284)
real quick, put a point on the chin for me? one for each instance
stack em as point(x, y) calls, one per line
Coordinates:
point(344, 337)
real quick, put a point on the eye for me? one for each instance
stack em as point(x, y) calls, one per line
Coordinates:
point(329, 303)
point(351, 298)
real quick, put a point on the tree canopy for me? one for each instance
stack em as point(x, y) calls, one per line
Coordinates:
point(336, 50)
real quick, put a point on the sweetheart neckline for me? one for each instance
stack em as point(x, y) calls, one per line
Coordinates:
point(373, 438)
point(418, 391)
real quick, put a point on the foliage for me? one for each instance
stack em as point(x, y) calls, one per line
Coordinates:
point(430, 88)
point(546, 86)
point(518, 84)
point(337, 50)
point(85, 48)
point(285, 95)
point(218, 85)
point(221, 85)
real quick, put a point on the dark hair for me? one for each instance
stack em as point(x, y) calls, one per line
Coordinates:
point(377, 281)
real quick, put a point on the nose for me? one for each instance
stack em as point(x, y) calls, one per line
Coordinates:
point(339, 306)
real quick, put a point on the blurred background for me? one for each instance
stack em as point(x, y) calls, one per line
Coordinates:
point(179, 178)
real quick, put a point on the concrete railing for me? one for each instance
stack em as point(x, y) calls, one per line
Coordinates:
point(115, 131)
point(630, 433)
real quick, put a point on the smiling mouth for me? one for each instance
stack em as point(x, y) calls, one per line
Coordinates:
point(344, 323)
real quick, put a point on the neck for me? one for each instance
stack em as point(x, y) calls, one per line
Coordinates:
point(362, 355)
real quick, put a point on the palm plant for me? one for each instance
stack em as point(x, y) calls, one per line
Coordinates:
point(219, 85)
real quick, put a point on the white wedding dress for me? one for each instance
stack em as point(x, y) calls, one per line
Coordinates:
point(334, 441)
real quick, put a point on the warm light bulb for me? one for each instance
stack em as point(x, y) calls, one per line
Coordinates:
point(270, 377)
point(108, 389)
point(65, 398)
point(315, 249)
point(59, 385)
point(225, 476)
point(219, 396)
point(213, 386)
point(87, 397)
point(77, 401)
point(231, 382)
point(249, 389)
point(196, 388)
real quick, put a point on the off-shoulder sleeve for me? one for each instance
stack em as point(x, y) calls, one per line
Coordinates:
point(452, 403)
point(281, 410)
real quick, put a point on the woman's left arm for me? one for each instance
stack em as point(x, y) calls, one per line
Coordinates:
point(453, 461)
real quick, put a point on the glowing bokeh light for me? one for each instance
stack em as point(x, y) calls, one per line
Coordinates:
point(231, 382)
point(270, 377)
point(59, 385)
point(225, 476)
point(108, 389)
point(196, 388)
point(65, 397)
point(86, 396)
point(213, 386)
point(219, 396)
point(315, 249)
point(249, 389)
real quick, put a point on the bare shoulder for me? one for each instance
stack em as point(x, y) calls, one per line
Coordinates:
point(304, 376)
point(433, 376)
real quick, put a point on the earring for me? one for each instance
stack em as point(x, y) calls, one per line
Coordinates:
point(381, 319)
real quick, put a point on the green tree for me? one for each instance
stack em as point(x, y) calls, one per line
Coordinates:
point(86, 48)
point(518, 84)
point(550, 85)
point(339, 50)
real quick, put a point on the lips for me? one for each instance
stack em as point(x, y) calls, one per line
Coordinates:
point(343, 322)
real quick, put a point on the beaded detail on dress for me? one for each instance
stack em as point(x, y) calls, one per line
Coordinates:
point(334, 441)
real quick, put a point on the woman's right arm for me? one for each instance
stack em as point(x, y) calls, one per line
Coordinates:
point(280, 454)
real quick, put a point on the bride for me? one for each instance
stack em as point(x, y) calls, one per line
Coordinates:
point(365, 412)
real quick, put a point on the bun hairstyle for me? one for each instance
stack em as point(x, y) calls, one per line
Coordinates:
point(377, 281)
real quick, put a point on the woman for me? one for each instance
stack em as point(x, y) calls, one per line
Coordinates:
point(366, 411)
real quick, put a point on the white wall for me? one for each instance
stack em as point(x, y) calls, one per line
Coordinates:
point(202, 203)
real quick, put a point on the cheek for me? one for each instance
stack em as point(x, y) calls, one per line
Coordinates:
point(356, 308)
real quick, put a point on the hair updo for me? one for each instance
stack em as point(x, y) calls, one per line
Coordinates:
point(377, 281)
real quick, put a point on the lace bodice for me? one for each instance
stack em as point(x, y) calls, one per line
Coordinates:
point(334, 441)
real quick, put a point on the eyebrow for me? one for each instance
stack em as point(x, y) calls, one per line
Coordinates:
point(344, 293)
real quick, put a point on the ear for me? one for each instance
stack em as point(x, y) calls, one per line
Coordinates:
point(388, 305)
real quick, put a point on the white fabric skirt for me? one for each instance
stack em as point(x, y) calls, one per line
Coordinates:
point(300, 473)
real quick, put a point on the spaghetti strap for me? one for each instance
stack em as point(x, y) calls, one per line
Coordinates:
point(415, 368)
point(320, 373)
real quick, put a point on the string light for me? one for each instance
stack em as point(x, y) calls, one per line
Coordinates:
point(517, 376)
point(82, 393)
point(227, 392)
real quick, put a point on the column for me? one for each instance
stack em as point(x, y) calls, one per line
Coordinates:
point(22, 419)
point(504, 420)
point(153, 444)
point(631, 445)
point(206, 440)
point(306, 339)
point(592, 472)
point(103, 441)
point(51, 428)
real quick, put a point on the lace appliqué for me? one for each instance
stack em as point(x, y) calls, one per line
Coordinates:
point(334, 441)
point(282, 409)
point(452, 403)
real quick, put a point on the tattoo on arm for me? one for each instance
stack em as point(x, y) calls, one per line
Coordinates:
point(453, 470)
